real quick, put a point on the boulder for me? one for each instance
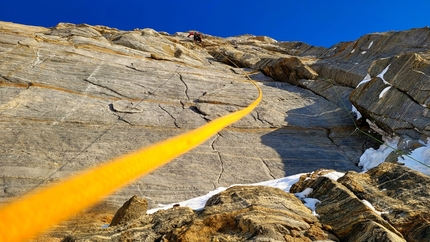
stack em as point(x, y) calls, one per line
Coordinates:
point(132, 209)
point(255, 213)
point(288, 70)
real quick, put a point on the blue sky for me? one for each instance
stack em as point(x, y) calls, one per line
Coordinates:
point(316, 22)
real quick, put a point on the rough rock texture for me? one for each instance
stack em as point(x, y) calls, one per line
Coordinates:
point(73, 96)
point(132, 209)
point(390, 202)
point(397, 97)
point(241, 213)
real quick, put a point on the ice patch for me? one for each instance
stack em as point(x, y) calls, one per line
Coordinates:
point(309, 202)
point(418, 159)
point(370, 45)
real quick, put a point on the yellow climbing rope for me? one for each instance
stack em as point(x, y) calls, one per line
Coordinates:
point(33, 213)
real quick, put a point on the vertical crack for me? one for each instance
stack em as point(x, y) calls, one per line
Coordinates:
point(186, 86)
point(219, 159)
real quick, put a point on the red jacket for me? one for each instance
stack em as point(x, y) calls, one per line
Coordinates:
point(194, 33)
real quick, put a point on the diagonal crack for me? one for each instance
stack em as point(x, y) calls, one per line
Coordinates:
point(121, 118)
point(266, 166)
point(105, 87)
point(174, 119)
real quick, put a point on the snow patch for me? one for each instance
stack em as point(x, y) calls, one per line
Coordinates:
point(381, 75)
point(381, 95)
point(372, 158)
point(198, 203)
point(308, 202)
point(335, 175)
point(367, 78)
point(418, 159)
point(369, 205)
point(311, 203)
point(305, 193)
point(354, 110)
point(370, 45)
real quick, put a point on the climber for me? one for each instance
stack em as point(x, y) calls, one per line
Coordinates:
point(197, 36)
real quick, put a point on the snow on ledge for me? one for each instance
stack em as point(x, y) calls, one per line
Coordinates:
point(367, 78)
point(418, 159)
point(381, 75)
point(381, 95)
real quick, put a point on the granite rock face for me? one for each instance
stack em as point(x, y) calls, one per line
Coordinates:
point(73, 96)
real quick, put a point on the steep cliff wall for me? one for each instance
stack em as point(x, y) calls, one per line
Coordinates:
point(73, 96)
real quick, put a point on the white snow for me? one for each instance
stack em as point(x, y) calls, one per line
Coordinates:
point(311, 203)
point(363, 52)
point(418, 159)
point(381, 95)
point(369, 205)
point(198, 203)
point(370, 45)
point(381, 75)
point(284, 183)
point(305, 193)
point(354, 110)
point(334, 175)
point(352, 51)
point(367, 78)
point(372, 158)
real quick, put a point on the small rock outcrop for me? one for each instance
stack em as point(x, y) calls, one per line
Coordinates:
point(241, 213)
point(389, 203)
point(132, 209)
